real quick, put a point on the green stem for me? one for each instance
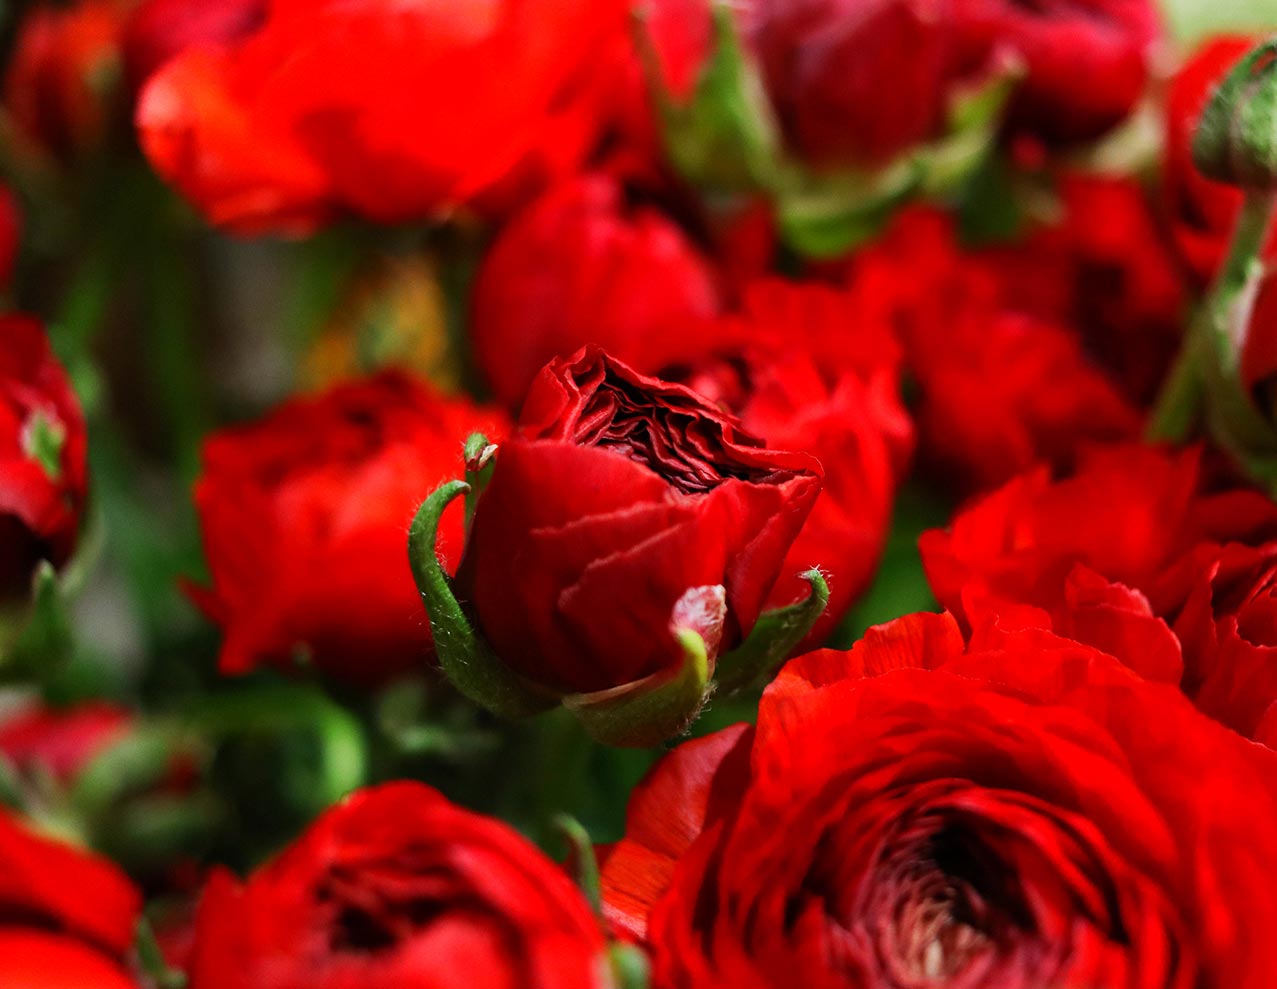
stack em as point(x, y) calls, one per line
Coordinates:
point(1175, 412)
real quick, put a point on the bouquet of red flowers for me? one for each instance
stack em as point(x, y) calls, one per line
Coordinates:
point(637, 494)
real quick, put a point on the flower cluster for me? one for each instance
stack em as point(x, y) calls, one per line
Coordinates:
point(636, 494)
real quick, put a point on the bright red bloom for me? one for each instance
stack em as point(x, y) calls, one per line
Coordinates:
point(438, 105)
point(60, 84)
point(851, 83)
point(67, 918)
point(62, 742)
point(1108, 267)
point(1086, 62)
point(805, 377)
point(43, 451)
point(1000, 388)
point(578, 266)
point(305, 517)
point(10, 233)
point(1202, 211)
point(398, 888)
point(160, 29)
point(1130, 556)
point(1021, 813)
point(625, 505)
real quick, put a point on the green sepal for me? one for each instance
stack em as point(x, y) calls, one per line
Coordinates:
point(1236, 136)
point(42, 440)
point(582, 861)
point(647, 712)
point(44, 645)
point(773, 637)
point(152, 961)
point(480, 463)
point(466, 659)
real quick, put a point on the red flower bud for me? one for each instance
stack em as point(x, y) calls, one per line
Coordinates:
point(304, 517)
point(43, 469)
point(67, 918)
point(626, 509)
point(62, 742)
point(578, 267)
point(399, 889)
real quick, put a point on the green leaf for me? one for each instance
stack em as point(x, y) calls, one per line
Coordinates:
point(46, 645)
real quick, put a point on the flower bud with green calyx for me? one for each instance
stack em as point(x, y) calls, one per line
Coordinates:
point(1236, 143)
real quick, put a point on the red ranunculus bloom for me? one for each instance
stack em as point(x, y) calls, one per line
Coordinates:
point(62, 742)
point(1085, 61)
point(851, 83)
point(398, 888)
point(999, 387)
point(43, 450)
point(1024, 813)
point(305, 517)
point(160, 29)
point(10, 233)
point(1202, 211)
point(59, 87)
point(578, 266)
point(67, 918)
point(1109, 268)
point(437, 105)
point(1130, 556)
point(624, 506)
point(804, 376)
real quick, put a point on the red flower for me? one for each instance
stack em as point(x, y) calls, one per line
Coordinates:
point(60, 81)
point(43, 470)
point(1129, 556)
point(1000, 388)
point(305, 517)
point(399, 889)
point(626, 505)
point(1086, 61)
point(67, 918)
point(62, 742)
point(10, 234)
point(1202, 211)
point(158, 30)
point(1022, 814)
point(802, 380)
point(438, 105)
point(578, 266)
point(850, 83)
point(1109, 269)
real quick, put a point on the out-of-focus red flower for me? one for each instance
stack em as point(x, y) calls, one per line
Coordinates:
point(436, 106)
point(67, 918)
point(399, 889)
point(999, 388)
point(1023, 812)
point(10, 235)
point(1086, 62)
point(63, 742)
point(305, 517)
point(1128, 555)
point(804, 376)
point(43, 456)
point(1202, 211)
point(62, 79)
point(851, 83)
point(1108, 268)
point(160, 29)
point(626, 508)
point(579, 266)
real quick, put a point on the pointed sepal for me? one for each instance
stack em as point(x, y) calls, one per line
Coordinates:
point(467, 660)
point(647, 712)
point(773, 637)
